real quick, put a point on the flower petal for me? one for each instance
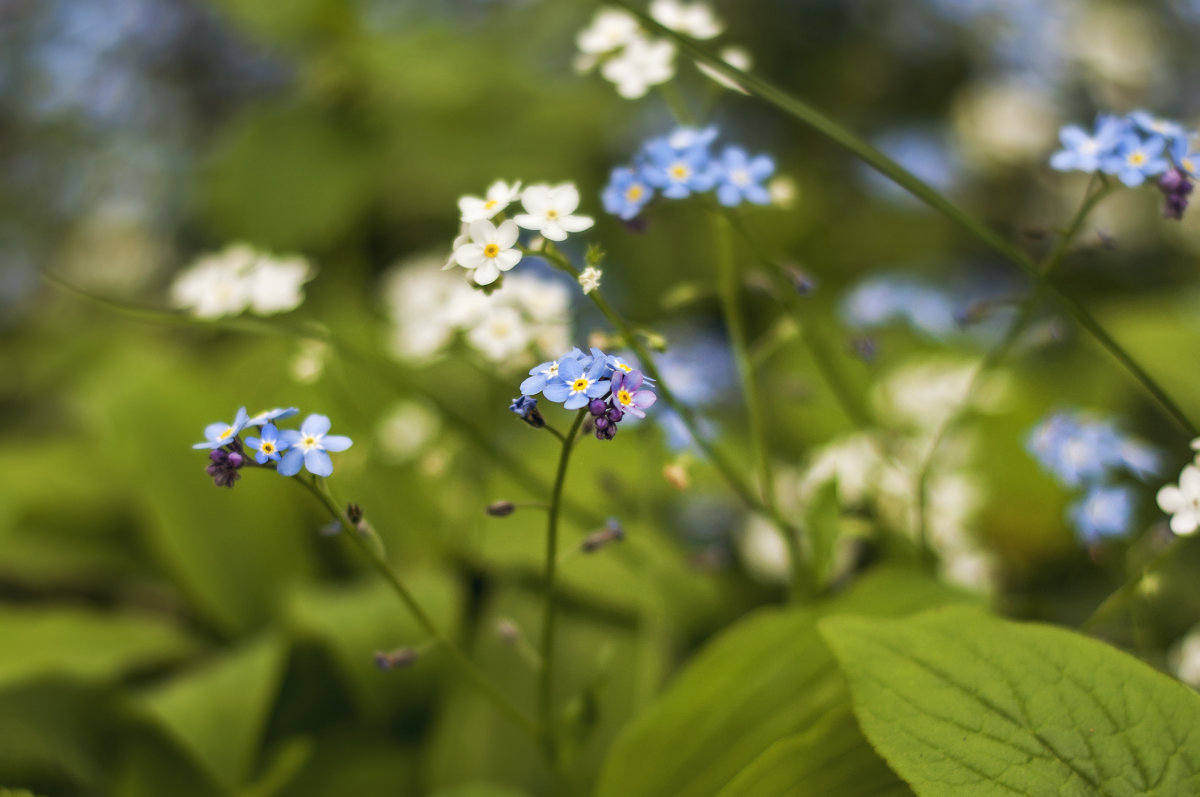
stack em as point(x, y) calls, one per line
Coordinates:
point(318, 462)
point(506, 234)
point(507, 259)
point(336, 442)
point(315, 425)
point(291, 462)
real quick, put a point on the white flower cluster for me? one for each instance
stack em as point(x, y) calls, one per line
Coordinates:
point(429, 308)
point(239, 278)
point(1182, 501)
point(634, 61)
point(487, 249)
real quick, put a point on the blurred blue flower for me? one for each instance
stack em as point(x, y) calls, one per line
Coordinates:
point(1135, 159)
point(1168, 129)
point(222, 434)
point(1102, 512)
point(698, 369)
point(1185, 158)
point(269, 446)
point(740, 177)
point(1083, 152)
point(1079, 448)
point(308, 447)
point(927, 153)
point(626, 194)
point(678, 172)
point(270, 416)
point(878, 301)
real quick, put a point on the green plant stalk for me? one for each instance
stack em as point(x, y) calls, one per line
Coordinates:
point(1000, 351)
point(728, 288)
point(546, 674)
point(1117, 598)
point(810, 116)
point(459, 659)
point(846, 397)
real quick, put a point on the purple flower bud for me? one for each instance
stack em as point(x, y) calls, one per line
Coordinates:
point(615, 414)
point(596, 407)
point(1175, 187)
point(602, 423)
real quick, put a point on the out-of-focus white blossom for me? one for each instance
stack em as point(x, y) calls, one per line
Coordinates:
point(499, 196)
point(642, 64)
point(691, 19)
point(549, 210)
point(1184, 658)
point(239, 278)
point(308, 364)
point(430, 307)
point(611, 29)
point(764, 552)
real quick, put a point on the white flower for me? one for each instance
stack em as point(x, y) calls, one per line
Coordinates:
point(540, 299)
point(548, 210)
point(734, 56)
point(215, 285)
point(276, 286)
point(1182, 502)
point(589, 279)
point(642, 64)
point(764, 552)
point(490, 250)
point(691, 19)
point(501, 335)
point(783, 192)
point(610, 30)
point(499, 196)
point(308, 364)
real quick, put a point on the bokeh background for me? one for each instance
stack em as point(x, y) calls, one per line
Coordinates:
point(162, 636)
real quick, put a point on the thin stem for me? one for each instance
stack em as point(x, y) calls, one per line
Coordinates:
point(1000, 351)
point(728, 289)
point(546, 673)
point(810, 116)
point(485, 687)
point(1117, 599)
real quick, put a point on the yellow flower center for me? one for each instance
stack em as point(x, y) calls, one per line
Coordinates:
point(634, 193)
point(1137, 158)
point(491, 203)
point(740, 177)
point(680, 171)
point(308, 442)
point(491, 250)
point(267, 448)
point(624, 367)
point(552, 213)
point(227, 433)
point(625, 397)
point(1186, 163)
point(580, 384)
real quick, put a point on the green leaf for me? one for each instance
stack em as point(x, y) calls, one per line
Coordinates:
point(480, 790)
point(84, 644)
point(830, 758)
point(962, 703)
point(766, 678)
point(218, 712)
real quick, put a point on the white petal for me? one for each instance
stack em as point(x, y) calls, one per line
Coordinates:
point(1185, 523)
point(529, 221)
point(1170, 499)
point(507, 259)
point(470, 256)
point(486, 274)
point(1189, 480)
point(482, 232)
point(536, 199)
point(506, 234)
point(553, 232)
point(575, 223)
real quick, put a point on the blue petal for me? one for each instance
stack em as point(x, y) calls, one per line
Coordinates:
point(315, 425)
point(318, 462)
point(289, 437)
point(533, 385)
point(336, 442)
point(291, 462)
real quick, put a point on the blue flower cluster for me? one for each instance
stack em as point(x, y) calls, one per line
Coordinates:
point(1134, 148)
point(681, 164)
point(608, 386)
point(286, 450)
point(1087, 452)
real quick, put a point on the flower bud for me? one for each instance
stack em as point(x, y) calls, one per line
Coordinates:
point(500, 508)
point(396, 660)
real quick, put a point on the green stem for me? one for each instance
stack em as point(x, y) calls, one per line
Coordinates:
point(1000, 351)
point(1127, 590)
point(810, 116)
point(468, 670)
point(728, 288)
point(546, 673)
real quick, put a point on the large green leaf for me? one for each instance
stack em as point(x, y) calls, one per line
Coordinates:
point(832, 757)
point(218, 712)
point(83, 644)
point(765, 679)
point(962, 703)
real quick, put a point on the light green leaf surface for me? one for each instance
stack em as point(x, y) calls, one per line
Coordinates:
point(832, 758)
point(959, 702)
point(84, 644)
point(767, 678)
point(218, 712)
